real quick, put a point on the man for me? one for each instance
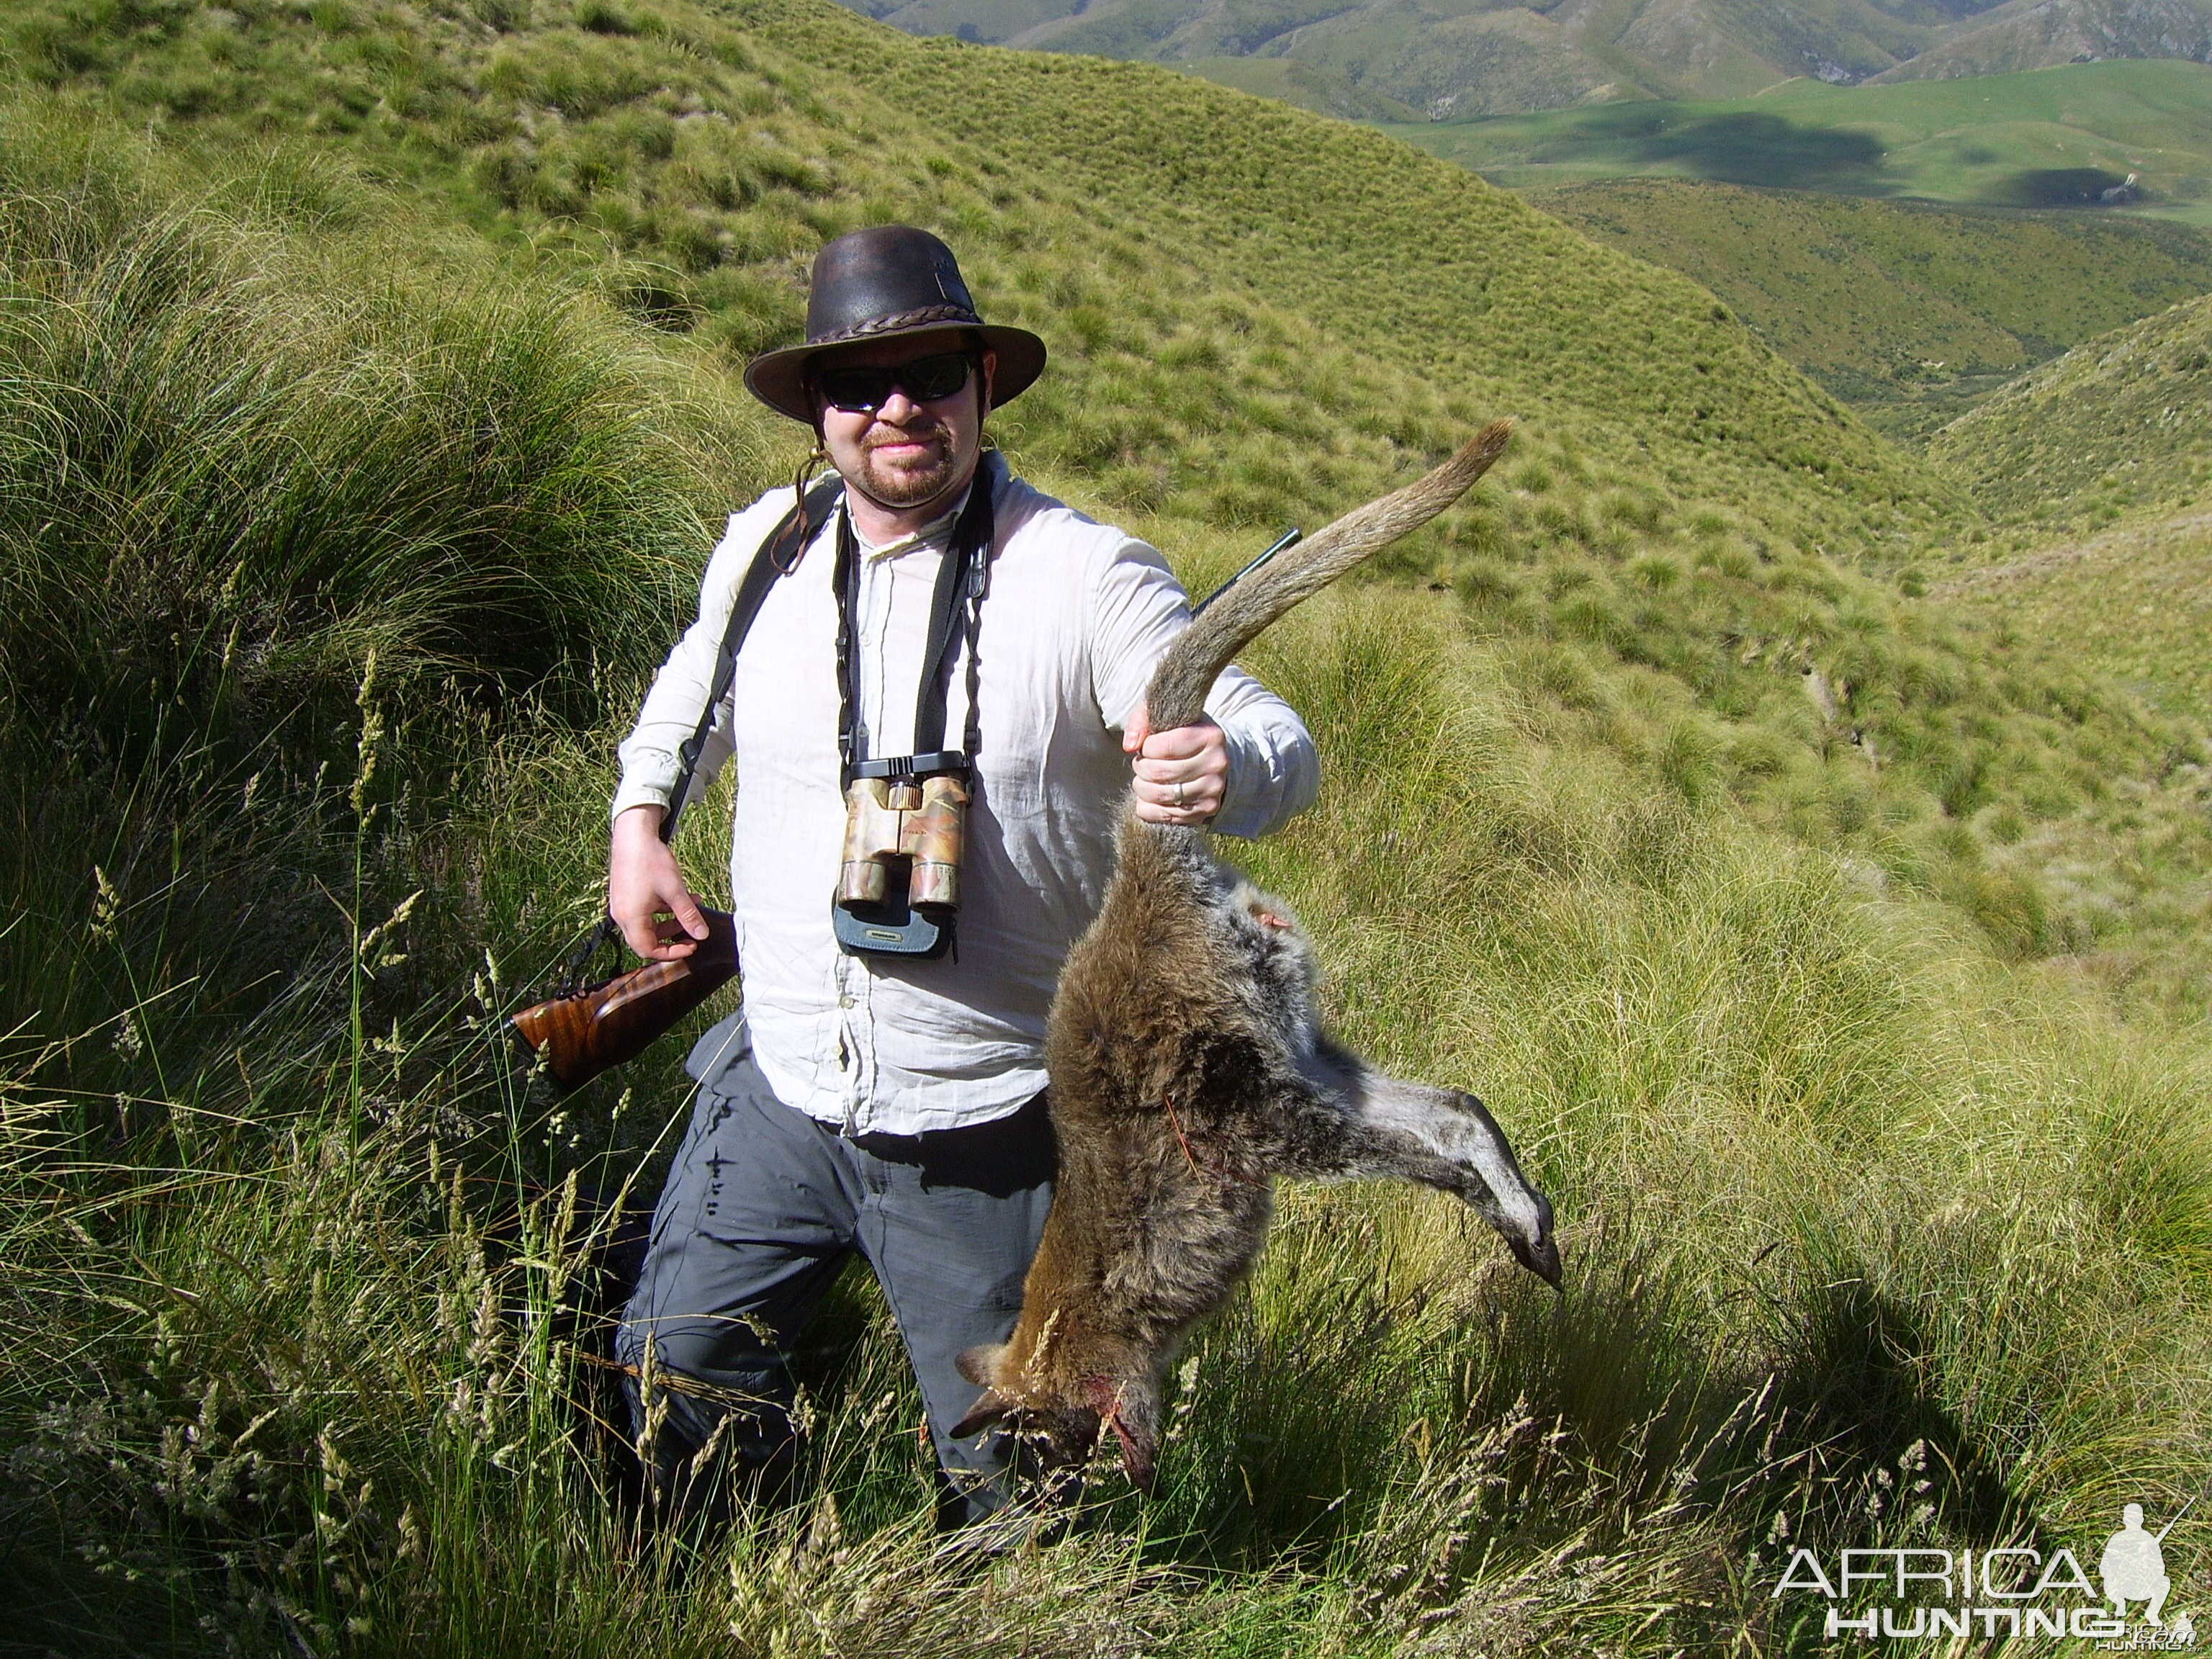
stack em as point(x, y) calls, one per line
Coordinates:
point(892, 1105)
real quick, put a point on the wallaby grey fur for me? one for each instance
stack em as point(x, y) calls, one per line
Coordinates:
point(1189, 1068)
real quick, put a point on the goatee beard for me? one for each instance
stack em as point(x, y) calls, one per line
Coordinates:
point(909, 486)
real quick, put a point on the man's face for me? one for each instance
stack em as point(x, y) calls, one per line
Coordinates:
point(907, 453)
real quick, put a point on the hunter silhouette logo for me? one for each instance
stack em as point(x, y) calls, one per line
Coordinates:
point(2133, 1566)
point(2133, 1569)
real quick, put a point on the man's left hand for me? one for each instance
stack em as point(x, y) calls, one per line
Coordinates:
point(1182, 774)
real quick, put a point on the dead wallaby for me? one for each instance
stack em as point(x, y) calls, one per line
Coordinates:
point(1188, 1069)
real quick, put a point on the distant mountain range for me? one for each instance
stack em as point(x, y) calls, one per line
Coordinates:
point(1455, 59)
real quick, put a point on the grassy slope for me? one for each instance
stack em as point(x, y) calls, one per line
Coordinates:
point(2136, 600)
point(1432, 302)
point(1300, 338)
point(1854, 1211)
point(2116, 426)
point(1255, 323)
point(695, 141)
point(1804, 1124)
point(1302, 84)
point(1997, 140)
point(1906, 311)
point(1201, 398)
point(2110, 434)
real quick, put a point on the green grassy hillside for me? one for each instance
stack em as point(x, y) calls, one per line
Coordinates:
point(1150, 225)
point(2135, 600)
point(1294, 82)
point(372, 402)
point(2115, 427)
point(2056, 137)
point(284, 1246)
point(1908, 312)
point(1252, 325)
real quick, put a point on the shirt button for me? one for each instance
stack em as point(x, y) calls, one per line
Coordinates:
point(845, 999)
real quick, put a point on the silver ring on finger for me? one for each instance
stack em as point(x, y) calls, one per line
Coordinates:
point(1178, 797)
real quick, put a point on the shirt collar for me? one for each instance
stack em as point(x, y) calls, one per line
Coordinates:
point(937, 533)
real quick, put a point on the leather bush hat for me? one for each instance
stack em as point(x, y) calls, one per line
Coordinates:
point(888, 283)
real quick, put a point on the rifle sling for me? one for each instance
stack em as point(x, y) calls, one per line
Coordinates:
point(778, 556)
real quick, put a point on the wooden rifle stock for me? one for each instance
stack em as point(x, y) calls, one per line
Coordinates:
point(582, 1035)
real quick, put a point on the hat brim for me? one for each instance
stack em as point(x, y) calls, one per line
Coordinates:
point(778, 378)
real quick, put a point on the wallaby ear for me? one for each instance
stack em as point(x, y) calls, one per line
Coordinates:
point(1140, 1450)
point(980, 1364)
point(994, 1408)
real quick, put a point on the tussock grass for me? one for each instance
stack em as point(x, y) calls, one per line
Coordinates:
point(1876, 1236)
point(1124, 211)
point(2133, 600)
point(238, 467)
point(1221, 367)
point(246, 474)
point(2111, 430)
point(2131, 603)
point(1871, 1242)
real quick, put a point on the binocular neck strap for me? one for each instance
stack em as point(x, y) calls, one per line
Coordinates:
point(963, 576)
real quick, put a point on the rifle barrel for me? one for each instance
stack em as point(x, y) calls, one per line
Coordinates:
point(2176, 1521)
point(1289, 538)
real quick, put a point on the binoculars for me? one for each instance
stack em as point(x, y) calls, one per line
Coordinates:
point(898, 884)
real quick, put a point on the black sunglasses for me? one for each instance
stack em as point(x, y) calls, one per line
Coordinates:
point(865, 391)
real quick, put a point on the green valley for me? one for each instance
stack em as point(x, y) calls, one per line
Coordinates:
point(1908, 312)
point(2055, 138)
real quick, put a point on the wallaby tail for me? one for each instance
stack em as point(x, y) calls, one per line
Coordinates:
point(1186, 673)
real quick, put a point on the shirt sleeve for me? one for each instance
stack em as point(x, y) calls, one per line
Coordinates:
point(650, 760)
point(1138, 607)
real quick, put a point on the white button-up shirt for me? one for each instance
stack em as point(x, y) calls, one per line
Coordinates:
point(1078, 615)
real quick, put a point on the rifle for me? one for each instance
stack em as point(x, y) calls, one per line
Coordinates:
point(582, 1030)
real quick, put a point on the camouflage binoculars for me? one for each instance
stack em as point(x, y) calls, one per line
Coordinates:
point(898, 882)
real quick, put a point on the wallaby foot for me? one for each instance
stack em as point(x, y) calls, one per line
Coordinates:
point(1441, 1137)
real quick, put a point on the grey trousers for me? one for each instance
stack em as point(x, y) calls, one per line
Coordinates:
point(762, 1207)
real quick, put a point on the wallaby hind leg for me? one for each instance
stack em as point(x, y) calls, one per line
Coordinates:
point(1441, 1138)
